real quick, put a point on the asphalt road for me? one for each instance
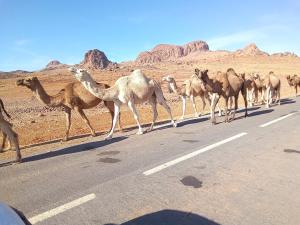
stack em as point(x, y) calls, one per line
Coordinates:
point(243, 172)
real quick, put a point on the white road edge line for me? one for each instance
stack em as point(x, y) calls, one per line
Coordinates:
point(192, 154)
point(276, 120)
point(62, 208)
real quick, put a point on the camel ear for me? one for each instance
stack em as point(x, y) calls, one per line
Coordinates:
point(204, 72)
point(197, 71)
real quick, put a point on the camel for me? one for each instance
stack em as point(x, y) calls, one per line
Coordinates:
point(3, 134)
point(130, 90)
point(272, 84)
point(260, 87)
point(227, 85)
point(251, 89)
point(6, 129)
point(191, 88)
point(73, 97)
point(294, 81)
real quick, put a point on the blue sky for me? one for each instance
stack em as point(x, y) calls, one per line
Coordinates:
point(34, 32)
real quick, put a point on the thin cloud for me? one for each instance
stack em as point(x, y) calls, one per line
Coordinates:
point(260, 34)
point(21, 42)
point(236, 38)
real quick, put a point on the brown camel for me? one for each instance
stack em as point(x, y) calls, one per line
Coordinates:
point(73, 96)
point(190, 88)
point(6, 129)
point(294, 81)
point(227, 85)
point(272, 84)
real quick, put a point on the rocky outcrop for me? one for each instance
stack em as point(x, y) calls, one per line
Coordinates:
point(53, 63)
point(250, 50)
point(95, 59)
point(166, 52)
point(283, 54)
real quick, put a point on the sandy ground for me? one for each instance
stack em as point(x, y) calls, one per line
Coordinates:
point(41, 128)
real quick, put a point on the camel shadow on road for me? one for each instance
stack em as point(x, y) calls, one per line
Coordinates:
point(74, 149)
point(169, 217)
point(285, 101)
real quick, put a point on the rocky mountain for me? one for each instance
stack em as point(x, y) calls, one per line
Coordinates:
point(53, 63)
point(284, 54)
point(250, 50)
point(95, 59)
point(166, 52)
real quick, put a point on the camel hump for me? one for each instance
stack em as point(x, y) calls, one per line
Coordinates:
point(230, 70)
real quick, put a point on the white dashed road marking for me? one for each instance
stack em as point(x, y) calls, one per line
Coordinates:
point(277, 120)
point(61, 209)
point(192, 154)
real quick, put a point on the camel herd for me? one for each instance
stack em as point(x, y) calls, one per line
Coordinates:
point(137, 88)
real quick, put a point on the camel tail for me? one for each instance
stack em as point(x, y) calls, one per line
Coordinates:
point(2, 108)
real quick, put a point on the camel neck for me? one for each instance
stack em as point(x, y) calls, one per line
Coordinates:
point(174, 87)
point(43, 97)
point(41, 94)
point(104, 94)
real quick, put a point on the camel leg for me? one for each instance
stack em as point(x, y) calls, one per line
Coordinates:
point(163, 103)
point(262, 97)
point(211, 104)
point(183, 106)
point(219, 109)
point(3, 141)
point(246, 103)
point(194, 105)
point(213, 107)
point(268, 97)
point(235, 107)
point(154, 111)
point(250, 97)
point(203, 104)
point(116, 118)
point(135, 115)
point(13, 137)
point(15, 141)
point(278, 96)
point(110, 106)
point(68, 123)
point(86, 120)
point(226, 110)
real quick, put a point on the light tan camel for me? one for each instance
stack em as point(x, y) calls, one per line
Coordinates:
point(227, 85)
point(251, 89)
point(190, 88)
point(260, 88)
point(73, 96)
point(130, 90)
point(294, 81)
point(3, 134)
point(272, 84)
point(6, 129)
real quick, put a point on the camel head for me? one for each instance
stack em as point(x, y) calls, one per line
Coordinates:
point(242, 75)
point(256, 76)
point(80, 74)
point(30, 82)
point(171, 81)
point(202, 74)
point(168, 79)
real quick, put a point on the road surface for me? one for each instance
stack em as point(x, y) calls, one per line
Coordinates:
point(243, 172)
